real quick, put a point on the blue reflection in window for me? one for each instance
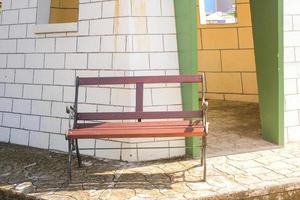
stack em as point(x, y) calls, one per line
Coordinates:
point(210, 6)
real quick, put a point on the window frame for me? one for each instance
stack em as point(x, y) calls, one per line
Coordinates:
point(203, 17)
point(43, 25)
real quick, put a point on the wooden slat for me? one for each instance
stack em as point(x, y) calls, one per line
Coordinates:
point(134, 132)
point(140, 79)
point(137, 124)
point(138, 115)
point(139, 97)
point(163, 126)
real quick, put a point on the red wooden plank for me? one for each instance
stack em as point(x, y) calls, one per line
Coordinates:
point(134, 132)
point(97, 136)
point(139, 97)
point(140, 79)
point(138, 115)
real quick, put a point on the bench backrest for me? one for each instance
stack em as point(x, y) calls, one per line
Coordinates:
point(139, 81)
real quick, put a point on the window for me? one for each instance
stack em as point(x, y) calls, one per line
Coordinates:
point(217, 11)
point(63, 11)
point(54, 16)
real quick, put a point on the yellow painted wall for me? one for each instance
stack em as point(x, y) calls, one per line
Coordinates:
point(226, 56)
point(63, 11)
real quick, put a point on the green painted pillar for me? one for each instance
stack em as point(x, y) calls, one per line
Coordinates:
point(186, 26)
point(267, 20)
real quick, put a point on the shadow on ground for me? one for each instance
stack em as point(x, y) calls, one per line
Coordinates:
point(41, 172)
point(234, 129)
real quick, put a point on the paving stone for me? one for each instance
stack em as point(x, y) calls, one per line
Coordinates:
point(243, 157)
point(246, 179)
point(293, 161)
point(245, 164)
point(228, 169)
point(271, 176)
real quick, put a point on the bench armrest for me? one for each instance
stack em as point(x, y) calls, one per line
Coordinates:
point(70, 109)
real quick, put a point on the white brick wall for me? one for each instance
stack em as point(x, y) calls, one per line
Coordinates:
point(13, 90)
point(4, 32)
point(87, 143)
point(11, 120)
point(5, 104)
point(100, 61)
point(114, 38)
point(76, 61)
point(88, 44)
point(66, 44)
point(43, 76)
point(17, 31)
point(32, 92)
point(53, 93)
point(50, 124)
point(15, 4)
point(24, 76)
point(58, 142)
point(90, 10)
point(3, 59)
point(41, 108)
point(54, 61)
point(4, 134)
point(21, 106)
point(101, 27)
point(45, 45)
point(18, 136)
point(2, 87)
point(292, 69)
point(30, 122)
point(15, 61)
point(10, 17)
point(39, 140)
point(26, 45)
point(98, 95)
point(64, 77)
point(7, 75)
point(8, 46)
point(34, 61)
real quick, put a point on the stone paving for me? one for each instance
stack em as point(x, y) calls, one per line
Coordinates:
point(255, 175)
point(258, 174)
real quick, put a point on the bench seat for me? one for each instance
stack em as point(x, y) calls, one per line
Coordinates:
point(137, 129)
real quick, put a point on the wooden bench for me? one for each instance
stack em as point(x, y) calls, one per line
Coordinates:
point(194, 123)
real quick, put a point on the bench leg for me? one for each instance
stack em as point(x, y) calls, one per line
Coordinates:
point(77, 153)
point(69, 160)
point(204, 157)
point(202, 152)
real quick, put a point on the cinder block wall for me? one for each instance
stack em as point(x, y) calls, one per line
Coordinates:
point(114, 38)
point(291, 69)
point(226, 56)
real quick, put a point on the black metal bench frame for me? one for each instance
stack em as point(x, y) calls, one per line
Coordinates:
point(139, 114)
